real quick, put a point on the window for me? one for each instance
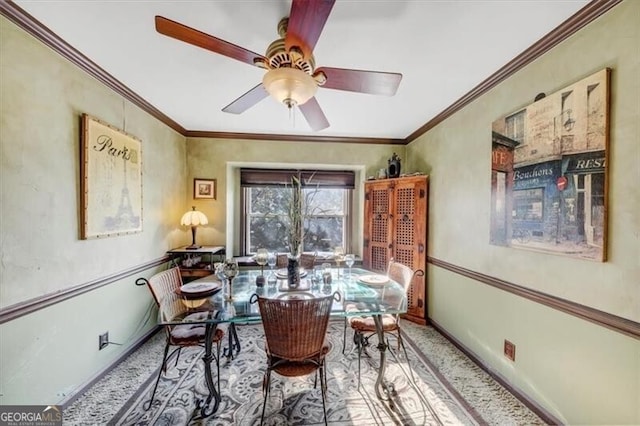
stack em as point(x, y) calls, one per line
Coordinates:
point(327, 209)
point(527, 205)
point(514, 126)
point(597, 199)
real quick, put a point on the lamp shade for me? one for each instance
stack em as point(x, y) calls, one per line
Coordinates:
point(290, 86)
point(194, 218)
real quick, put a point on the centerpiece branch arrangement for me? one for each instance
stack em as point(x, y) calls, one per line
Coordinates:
point(300, 208)
point(296, 218)
point(295, 236)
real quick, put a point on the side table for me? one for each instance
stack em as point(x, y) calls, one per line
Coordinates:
point(196, 263)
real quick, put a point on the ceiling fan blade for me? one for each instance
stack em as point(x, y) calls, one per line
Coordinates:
point(314, 115)
point(198, 38)
point(372, 82)
point(247, 100)
point(306, 21)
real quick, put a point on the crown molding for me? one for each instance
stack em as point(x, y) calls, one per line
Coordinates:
point(293, 138)
point(32, 26)
point(584, 16)
point(569, 27)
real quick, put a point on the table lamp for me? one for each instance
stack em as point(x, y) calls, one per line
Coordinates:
point(193, 218)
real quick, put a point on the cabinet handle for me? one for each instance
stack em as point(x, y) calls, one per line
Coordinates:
point(421, 248)
point(405, 217)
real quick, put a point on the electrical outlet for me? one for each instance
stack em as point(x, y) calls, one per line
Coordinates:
point(510, 350)
point(103, 340)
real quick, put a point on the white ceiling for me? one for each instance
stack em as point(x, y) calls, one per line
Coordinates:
point(442, 48)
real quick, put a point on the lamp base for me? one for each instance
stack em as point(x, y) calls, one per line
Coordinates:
point(192, 247)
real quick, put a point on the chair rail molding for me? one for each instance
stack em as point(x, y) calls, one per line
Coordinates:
point(32, 305)
point(604, 319)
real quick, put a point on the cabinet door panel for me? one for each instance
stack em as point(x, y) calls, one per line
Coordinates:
point(396, 227)
point(377, 226)
point(409, 231)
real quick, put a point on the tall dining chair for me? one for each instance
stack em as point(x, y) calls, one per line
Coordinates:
point(164, 282)
point(364, 326)
point(163, 286)
point(282, 260)
point(295, 332)
point(308, 261)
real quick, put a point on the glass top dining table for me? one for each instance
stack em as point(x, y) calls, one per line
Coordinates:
point(361, 293)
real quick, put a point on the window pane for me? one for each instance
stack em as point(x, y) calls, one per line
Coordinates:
point(266, 220)
point(266, 200)
point(514, 126)
point(267, 232)
point(527, 205)
point(323, 233)
point(324, 202)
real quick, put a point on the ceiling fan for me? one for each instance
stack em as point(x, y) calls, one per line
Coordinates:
point(291, 76)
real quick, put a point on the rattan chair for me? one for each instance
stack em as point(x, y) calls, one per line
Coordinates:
point(295, 332)
point(163, 283)
point(364, 326)
point(163, 286)
point(282, 260)
point(307, 261)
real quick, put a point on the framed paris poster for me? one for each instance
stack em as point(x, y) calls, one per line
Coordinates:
point(111, 180)
point(549, 172)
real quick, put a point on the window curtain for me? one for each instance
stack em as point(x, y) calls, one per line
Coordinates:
point(342, 179)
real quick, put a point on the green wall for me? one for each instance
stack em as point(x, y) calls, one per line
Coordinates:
point(221, 159)
point(580, 372)
point(46, 355)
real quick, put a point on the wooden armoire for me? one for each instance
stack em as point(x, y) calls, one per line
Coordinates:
point(395, 226)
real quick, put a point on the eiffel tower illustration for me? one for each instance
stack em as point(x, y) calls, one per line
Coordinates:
point(125, 217)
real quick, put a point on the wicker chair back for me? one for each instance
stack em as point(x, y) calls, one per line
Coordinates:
point(307, 261)
point(295, 329)
point(400, 273)
point(165, 282)
point(281, 261)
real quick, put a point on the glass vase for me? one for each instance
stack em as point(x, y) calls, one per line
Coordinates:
point(293, 272)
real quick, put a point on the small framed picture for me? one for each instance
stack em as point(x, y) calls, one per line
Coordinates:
point(204, 188)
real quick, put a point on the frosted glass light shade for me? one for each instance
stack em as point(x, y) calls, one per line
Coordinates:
point(290, 85)
point(194, 218)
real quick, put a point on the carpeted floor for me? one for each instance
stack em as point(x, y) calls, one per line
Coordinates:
point(449, 389)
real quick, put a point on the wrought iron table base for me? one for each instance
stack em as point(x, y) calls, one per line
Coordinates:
point(214, 394)
point(384, 391)
point(234, 343)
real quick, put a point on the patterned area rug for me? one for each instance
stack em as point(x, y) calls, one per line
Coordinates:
point(294, 401)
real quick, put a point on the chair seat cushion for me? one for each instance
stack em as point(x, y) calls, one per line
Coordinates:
point(298, 368)
point(366, 324)
point(193, 334)
point(294, 369)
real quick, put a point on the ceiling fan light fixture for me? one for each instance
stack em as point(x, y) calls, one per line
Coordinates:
point(290, 86)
